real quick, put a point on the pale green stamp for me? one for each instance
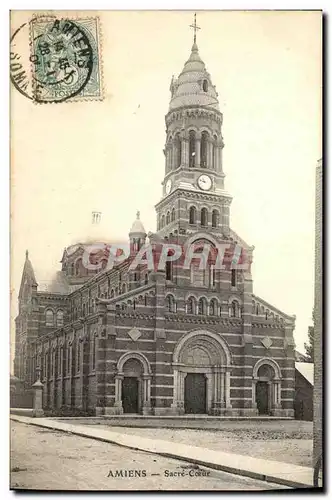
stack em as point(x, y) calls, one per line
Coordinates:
point(65, 58)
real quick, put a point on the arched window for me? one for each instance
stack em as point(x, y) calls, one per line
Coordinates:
point(59, 318)
point(257, 309)
point(173, 214)
point(124, 288)
point(84, 309)
point(72, 268)
point(78, 267)
point(213, 309)
point(168, 218)
point(192, 215)
point(162, 221)
point(192, 148)
point(171, 305)
point(202, 306)
point(112, 293)
point(204, 217)
point(49, 317)
point(215, 218)
point(134, 304)
point(178, 145)
point(204, 148)
point(146, 279)
point(205, 85)
point(233, 279)
point(191, 306)
point(234, 309)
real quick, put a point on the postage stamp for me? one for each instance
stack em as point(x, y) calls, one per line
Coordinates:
point(63, 62)
point(65, 59)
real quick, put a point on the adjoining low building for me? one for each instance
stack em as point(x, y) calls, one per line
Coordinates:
point(304, 386)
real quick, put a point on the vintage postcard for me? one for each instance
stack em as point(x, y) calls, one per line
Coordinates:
point(166, 190)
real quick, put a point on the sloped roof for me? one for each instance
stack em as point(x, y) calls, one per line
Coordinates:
point(307, 370)
point(57, 283)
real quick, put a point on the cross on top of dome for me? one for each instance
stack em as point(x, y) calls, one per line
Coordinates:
point(195, 27)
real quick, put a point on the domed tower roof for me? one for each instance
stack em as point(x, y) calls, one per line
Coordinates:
point(194, 85)
point(137, 228)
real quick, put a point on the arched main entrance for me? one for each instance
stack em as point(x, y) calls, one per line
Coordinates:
point(201, 363)
point(266, 390)
point(133, 384)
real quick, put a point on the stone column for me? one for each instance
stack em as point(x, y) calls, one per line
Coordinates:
point(110, 360)
point(219, 159)
point(218, 399)
point(228, 389)
point(118, 393)
point(249, 407)
point(38, 396)
point(209, 155)
point(161, 368)
point(184, 144)
point(254, 403)
point(198, 152)
point(146, 394)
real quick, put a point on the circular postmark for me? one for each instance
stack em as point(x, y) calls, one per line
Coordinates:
point(60, 60)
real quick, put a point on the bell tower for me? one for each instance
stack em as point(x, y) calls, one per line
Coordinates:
point(193, 196)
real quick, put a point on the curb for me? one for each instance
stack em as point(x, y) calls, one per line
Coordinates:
point(212, 465)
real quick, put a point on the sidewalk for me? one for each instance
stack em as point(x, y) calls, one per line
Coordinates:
point(265, 470)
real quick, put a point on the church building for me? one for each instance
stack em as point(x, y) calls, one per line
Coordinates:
point(170, 341)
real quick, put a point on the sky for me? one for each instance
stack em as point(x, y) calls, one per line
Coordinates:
point(69, 159)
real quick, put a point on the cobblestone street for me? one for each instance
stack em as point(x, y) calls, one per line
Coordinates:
point(49, 460)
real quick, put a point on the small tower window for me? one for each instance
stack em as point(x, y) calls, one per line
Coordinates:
point(168, 218)
point(78, 267)
point(173, 214)
point(233, 277)
point(190, 306)
point(204, 217)
point(171, 306)
point(234, 309)
point(192, 215)
point(205, 85)
point(59, 318)
point(204, 148)
point(49, 317)
point(215, 218)
point(178, 146)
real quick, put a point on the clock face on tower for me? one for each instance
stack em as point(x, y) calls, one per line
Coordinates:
point(204, 182)
point(168, 186)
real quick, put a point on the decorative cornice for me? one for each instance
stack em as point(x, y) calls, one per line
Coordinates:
point(193, 112)
point(202, 320)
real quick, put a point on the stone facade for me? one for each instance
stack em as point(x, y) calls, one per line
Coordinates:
point(170, 341)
